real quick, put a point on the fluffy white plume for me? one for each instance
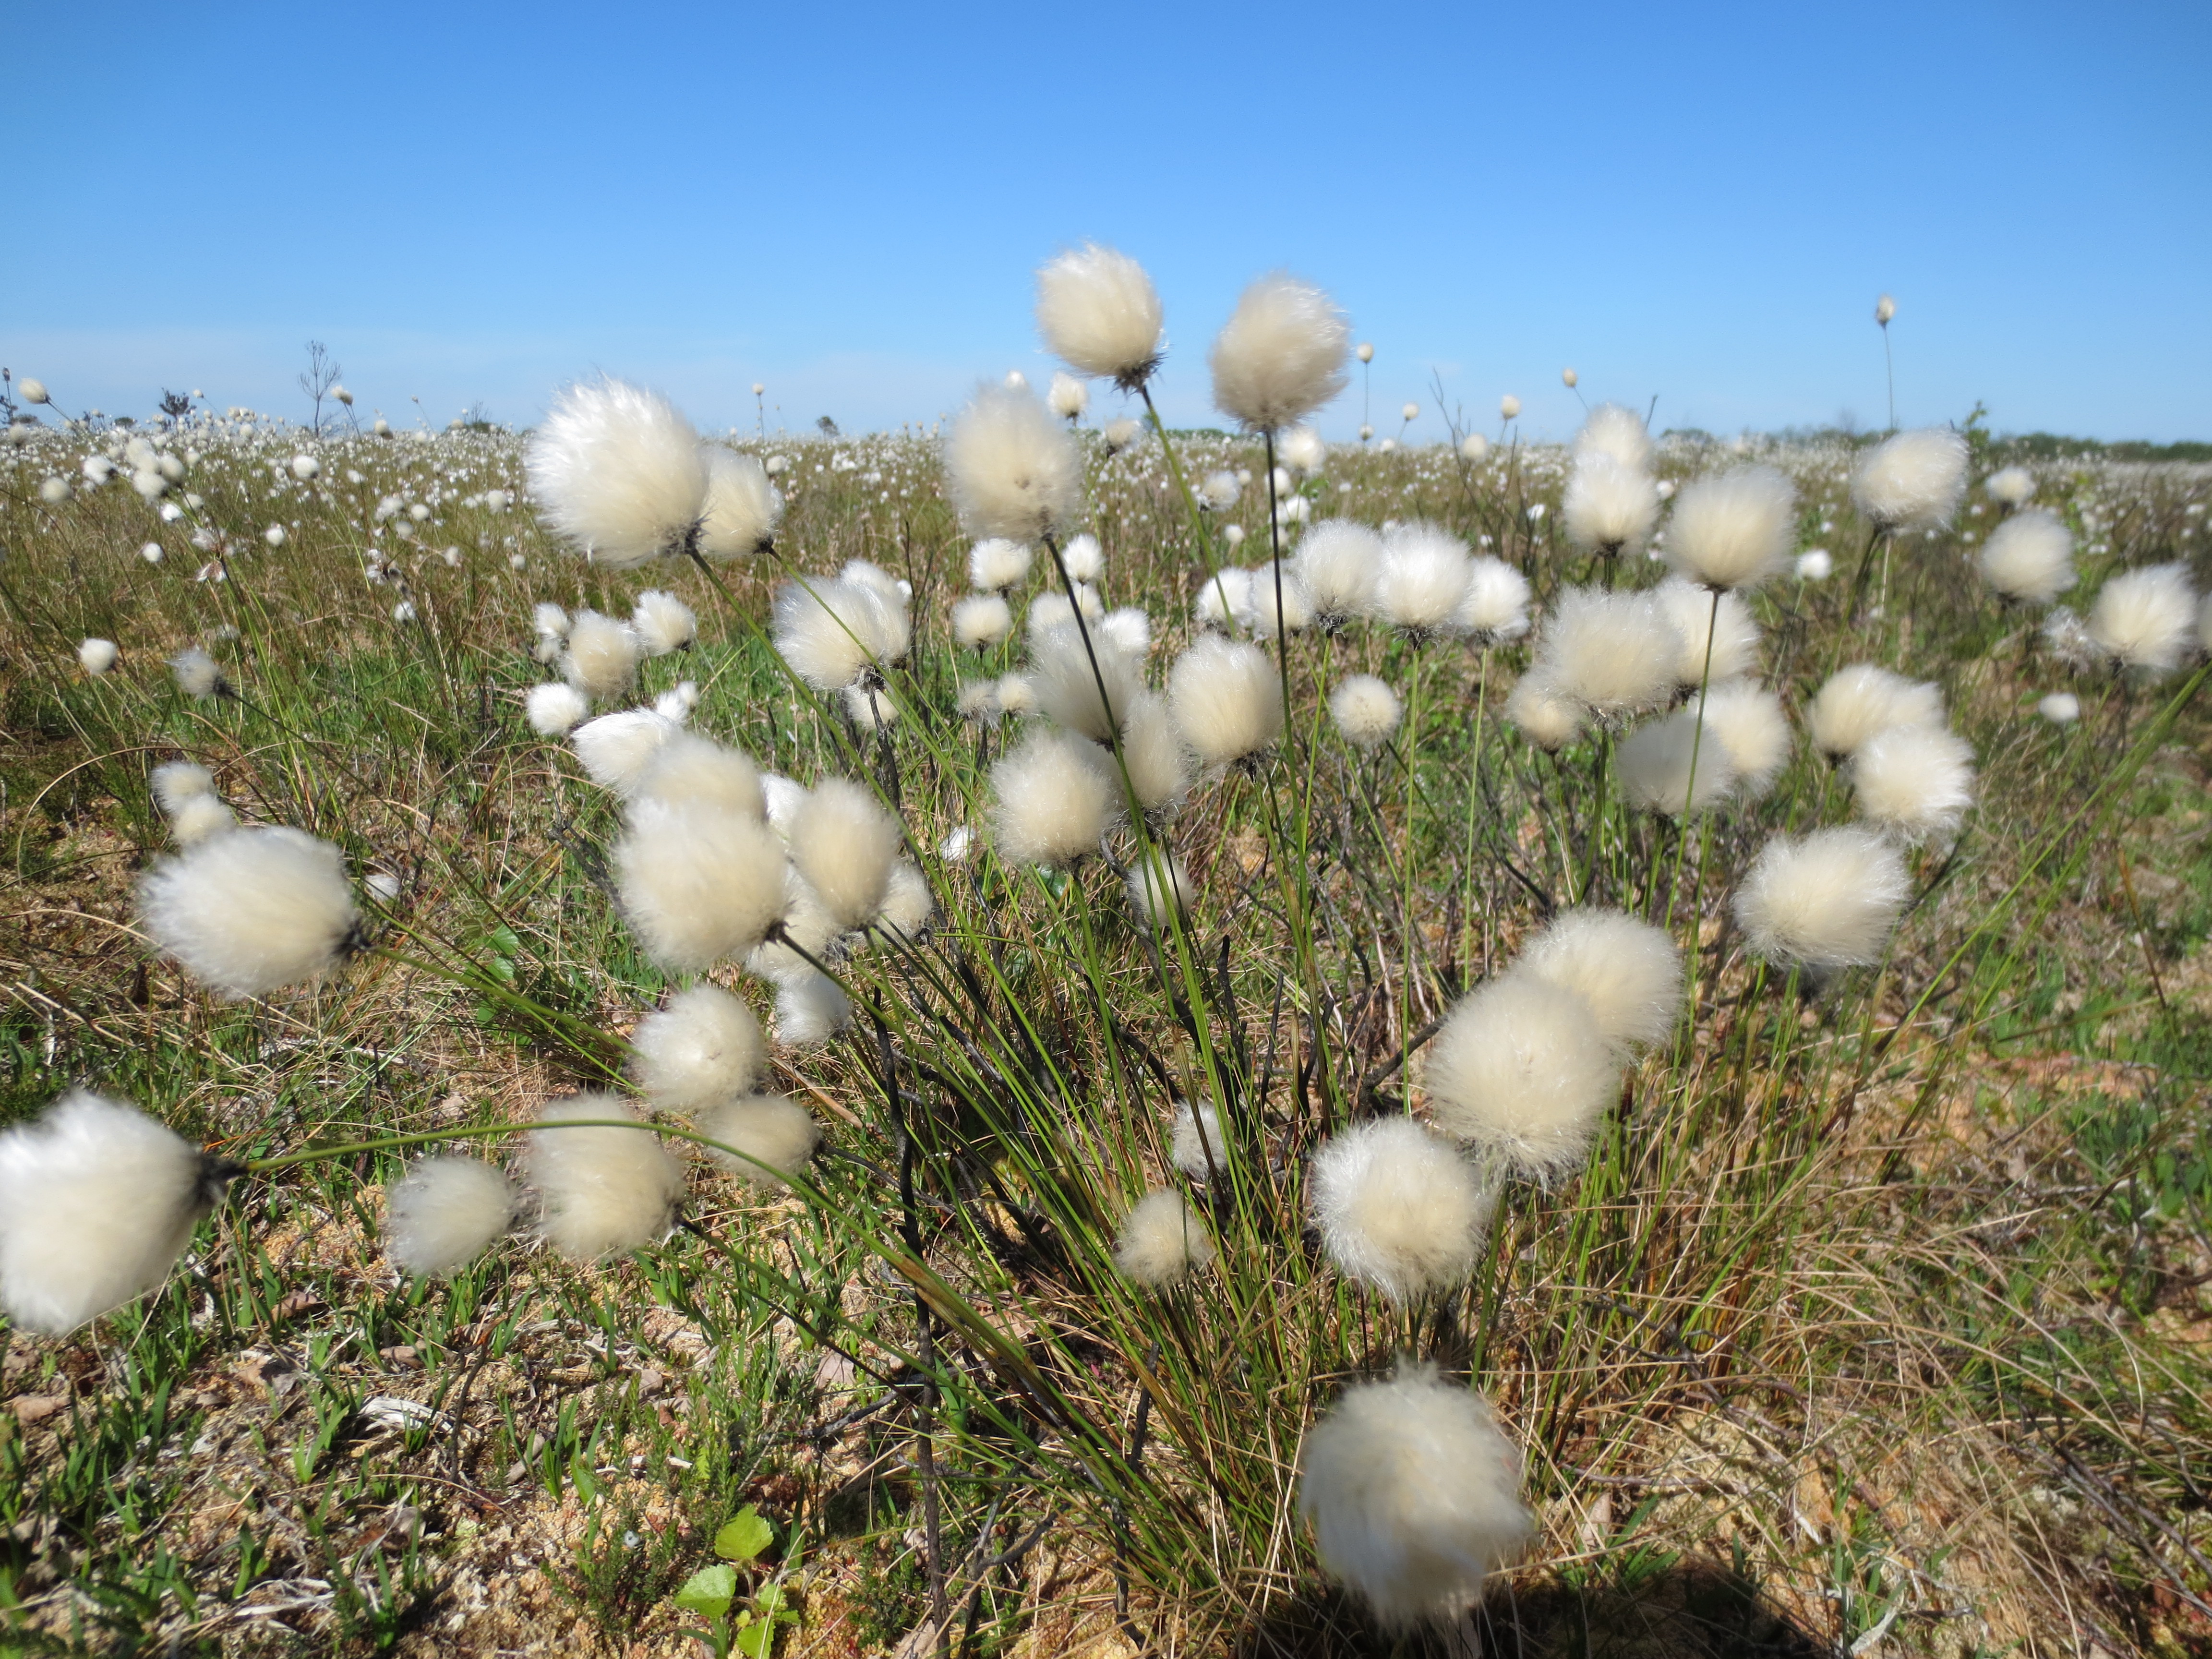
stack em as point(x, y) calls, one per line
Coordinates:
point(1067, 670)
point(907, 907)
point(1858, 702)
point(1100, 315)
point(1013, 471)
point(1223, 598)
point(1827, 899)
point(197, 674)
point(618, 471)
point(687, 767)
point(1057, 794)
point(2060, 709)
point(1154, 751)
point(663, 622)
point(1163, 1241)
point(1612, 653)
point(1119, 434)
point(1916, 780)
point(811, 1008)
point(1751, 726)
point(616, 749)
point(1302, 448)
point(1157, 897)
point(601, 1189)
point(1226, 699)
point(1414, 1495)
point(995, 564)
point(1523, 1072)
point(196, 819)
point(2144, 619)
point(2030, 558)
point(981, 621)
point(1016, 696)
point(843, 843)
point(444, 1214)
point(1421, 581)
point(1673, 766)
point(555, 708)
point(1397, 1208)
point(249, 913)
point(2011, 486)
point(1617, 433)
point(1337, 563)
point(760, 1130)
point(1733, 530)
point(1195, 1145)
point(1280, 357)
point(1496, 608)
point(1913, 481)
point(1693, 613)
point(1084, 559)
point(1542, 714)
point(176, 782)
point(1366, 710)
point(1067, 397)
point(699, 885)
point(1220, 490)
point(1051, 609)
point(1279, 601)
point(602, 656)
point(97, 1201)
point(835, 632)
point(743, 509)
point(704, 1046)
point(1609, 507)
point(96, 656)
point(1628, 972)
point(1128, 630)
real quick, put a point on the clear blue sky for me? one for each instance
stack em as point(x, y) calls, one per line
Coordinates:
point(478, 201)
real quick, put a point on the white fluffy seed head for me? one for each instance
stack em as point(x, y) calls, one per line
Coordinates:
point(1627, 971)
point(843, 843)
point(1219, 489)
point(2029, 557)
point(1195, 1145)
point(1157, 895)
point(1084, 558)
point(601, 1189)
point(251, 912)
point(1397, 1208)
point(2145, 619)
point(907, 907)
point(616, 749)
point(1277, 601)
point(444, 1214)
point(1522, 1071)
point(196, 819)
point(1056, 795)
point(1015, 695)
point(2011, 486)
point(618, 471)
point(1861, 701)
point(834, 632)
point(1918, 781)
point(663, 622)
point(1067, 670)
point(1616, 433)
point(1303, 448)
point(1414, 1497)
point(699, 885)
point(1051, 609)
point(1734, 640)
point(1067, 397)
point(769, 1137)
point(1099, 313)
point(1609, 507)
point(704, 1046)
point(96, 656)
point(1673, 766)
point(1223, 598)
point(811, 1008)
point(1366, 710)
point(1733, 530)
point(743, 507)
point(1163, 1241)
point(1913, 481)
point(2060, 709)
point(555, 708)
point(1748, 721)
point(1612, 653)
point(996, 563)
point(688, 768)
point(1280, 357)
point(1226, 699)
point(602, 656)
point(1496, 608)
point(1542, 714)
point(1828, 899)
point(1421, 581)
point(1337, 563)
point(97, 1201)
point(176, 782)
point(1128, 628)
point(197, 674)
point(1013, 471)
point(1153, 751)
point(981, 621)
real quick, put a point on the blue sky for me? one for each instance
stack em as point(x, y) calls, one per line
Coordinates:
point(1701, 202)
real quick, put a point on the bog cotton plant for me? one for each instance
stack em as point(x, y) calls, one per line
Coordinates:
point(619, 472)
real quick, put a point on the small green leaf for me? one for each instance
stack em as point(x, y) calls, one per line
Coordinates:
point(504, 940)
point(745, 1536)
point(754, 1641)
point(504, 970)
point(709, 1591)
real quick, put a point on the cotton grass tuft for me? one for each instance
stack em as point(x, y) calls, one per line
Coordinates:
point(1100, 315)
point(1280, 357)
point(698, 885)
point(444, 1214)
point(1227, 700)
point(1163, 1241)
point(1057, 795)
point(1733, 530)
point(704, 1046)
point(2144, 619)
point(1913, 481)
point(1523, 1072)
point(602, 1188)
point(1398, 1209)
point(1366, 710)
point(2029, 558)
point(1628, 972)
point(251, 912)
point(1012, 470)
point(618, 471)
point(769, 1139)
point(1827, 899)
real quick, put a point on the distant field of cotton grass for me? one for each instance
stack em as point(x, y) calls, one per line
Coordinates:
point(1065, 1035)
